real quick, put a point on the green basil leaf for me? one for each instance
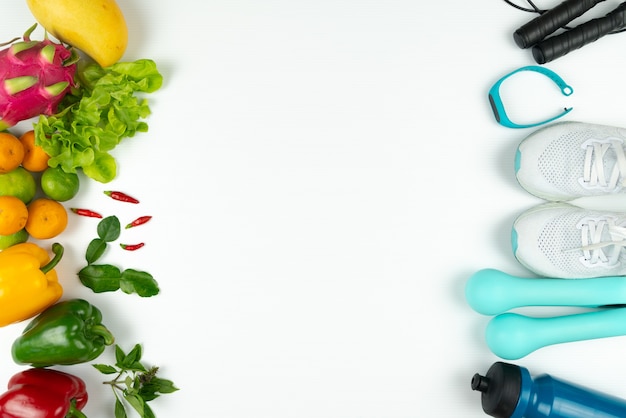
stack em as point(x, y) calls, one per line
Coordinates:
point(119, 356)
point(136, 367)
point(136, 402)
point(148, 392)
point(95, 249)
point(164, 385)
point(109, 228)
point(120, 412)
point(100, 277)
point(133, 356)
point(105, 368)
point(147, 411)
point(140, 282)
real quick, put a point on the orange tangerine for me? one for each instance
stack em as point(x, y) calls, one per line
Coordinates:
point(11, 152)
point(47, 218)
point(35, 158)
point(13, 215)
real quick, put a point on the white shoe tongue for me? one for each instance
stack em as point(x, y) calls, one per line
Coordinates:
point(609, 163)
point(607, 237)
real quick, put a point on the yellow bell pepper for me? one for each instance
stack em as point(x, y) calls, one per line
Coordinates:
point(28, 282)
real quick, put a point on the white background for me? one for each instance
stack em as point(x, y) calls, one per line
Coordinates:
point(324, 177)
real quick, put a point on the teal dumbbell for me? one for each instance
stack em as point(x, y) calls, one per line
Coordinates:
point(492, 291)
point(513, 336)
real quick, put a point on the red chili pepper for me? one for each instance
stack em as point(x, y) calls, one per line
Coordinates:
point(132, 247)
point(40, 392)
point(86, 212)
point(122, 197)
point(139, 221)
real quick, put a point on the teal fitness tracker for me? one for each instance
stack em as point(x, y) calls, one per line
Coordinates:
point(498, 107)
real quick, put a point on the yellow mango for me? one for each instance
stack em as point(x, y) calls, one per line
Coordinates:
point(96, 27)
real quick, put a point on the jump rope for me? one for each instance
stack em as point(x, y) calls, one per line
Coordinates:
point(545, 48)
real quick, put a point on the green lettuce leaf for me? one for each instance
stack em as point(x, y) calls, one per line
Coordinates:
point(94, 118)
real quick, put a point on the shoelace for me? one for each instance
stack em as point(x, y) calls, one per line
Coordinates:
point(594, 247)
point(593, 174)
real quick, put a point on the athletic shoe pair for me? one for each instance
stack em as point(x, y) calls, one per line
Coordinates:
point(560, 163)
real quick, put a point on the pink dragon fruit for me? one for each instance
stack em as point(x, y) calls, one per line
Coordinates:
point(34, 78)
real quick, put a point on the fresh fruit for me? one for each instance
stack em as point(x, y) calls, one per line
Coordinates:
point(11, 152)
point(35, 158)
point(35, 75)
point(96, 27)
point(47, 218)
point(10, 240)
point(13, 215)
point(59, 185)
point(19, 183)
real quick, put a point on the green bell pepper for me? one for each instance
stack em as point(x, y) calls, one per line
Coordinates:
point(69, 332)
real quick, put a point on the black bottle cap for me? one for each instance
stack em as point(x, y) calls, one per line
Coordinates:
point(500, 389)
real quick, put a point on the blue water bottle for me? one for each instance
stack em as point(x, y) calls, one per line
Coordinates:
point(508, 391)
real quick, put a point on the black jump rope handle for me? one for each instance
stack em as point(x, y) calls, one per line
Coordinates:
point(551, 20)
point(570, 40)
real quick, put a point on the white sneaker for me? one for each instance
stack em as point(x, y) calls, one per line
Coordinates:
point(565, 241)
point(569, 160)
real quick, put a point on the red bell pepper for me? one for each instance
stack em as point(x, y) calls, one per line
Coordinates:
point(43, 393)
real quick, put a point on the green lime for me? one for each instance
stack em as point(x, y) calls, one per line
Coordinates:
point(19, 183)
point(18, 237)
point(59, 185)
